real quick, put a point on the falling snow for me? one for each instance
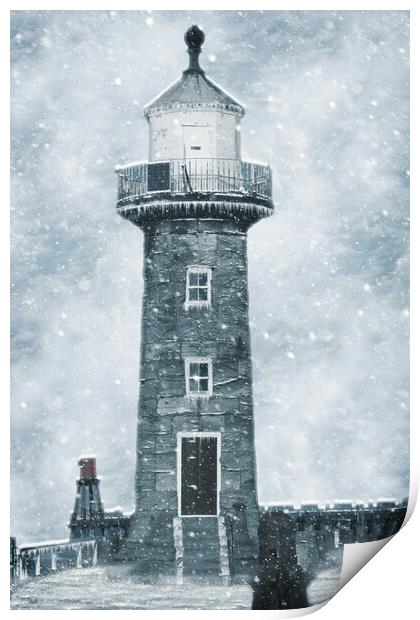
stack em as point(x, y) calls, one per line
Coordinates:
point(327, 108)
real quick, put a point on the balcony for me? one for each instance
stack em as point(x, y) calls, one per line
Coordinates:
point(194, 179)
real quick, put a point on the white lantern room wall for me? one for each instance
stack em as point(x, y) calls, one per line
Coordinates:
point(196, 133)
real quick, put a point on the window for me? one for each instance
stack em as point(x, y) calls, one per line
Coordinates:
point(198, 286)
point(198, 376)
point(158, 177)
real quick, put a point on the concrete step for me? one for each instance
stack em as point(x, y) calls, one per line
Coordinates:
point(201, 547)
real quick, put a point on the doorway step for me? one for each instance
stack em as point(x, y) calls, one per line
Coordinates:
point(201, 548)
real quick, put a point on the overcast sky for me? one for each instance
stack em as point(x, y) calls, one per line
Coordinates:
point(327, 106)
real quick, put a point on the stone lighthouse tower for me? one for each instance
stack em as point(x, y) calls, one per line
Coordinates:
point(195, 199)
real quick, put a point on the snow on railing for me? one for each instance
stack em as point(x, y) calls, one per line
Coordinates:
point(356, 521)
point(335, 505)
point(35, 559)
point(186, 176)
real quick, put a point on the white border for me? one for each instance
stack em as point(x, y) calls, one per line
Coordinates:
point(396, 568)
point(179, 436)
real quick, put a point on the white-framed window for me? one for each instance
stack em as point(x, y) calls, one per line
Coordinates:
point(198, 376)
point(198, 286)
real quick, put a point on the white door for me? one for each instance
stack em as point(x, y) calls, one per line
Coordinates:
point(197, 141)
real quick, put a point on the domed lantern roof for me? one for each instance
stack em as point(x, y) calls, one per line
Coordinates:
point(194, 89)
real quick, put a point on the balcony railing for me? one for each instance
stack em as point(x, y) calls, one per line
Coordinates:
point(189, 176)
point(42, 558)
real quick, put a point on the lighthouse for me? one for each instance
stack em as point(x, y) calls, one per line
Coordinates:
point(195, 199)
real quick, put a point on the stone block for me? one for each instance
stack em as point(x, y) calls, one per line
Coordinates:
point(161, 500)
point(147, 481)
point(230, 479)
point(197, 348)
point(230, 459)
point(212, 423)
point(207, 243)
point(166, 457)
point(169, 387)
point(225, 370)
point(248, 479)
point(216, 404)
point(234, 442)
point(174, 405)
point(165, 481)
point(234, 387)
point(166, 443)
point(186, 423)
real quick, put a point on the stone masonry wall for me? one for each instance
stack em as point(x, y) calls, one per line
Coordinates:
point(170, 333)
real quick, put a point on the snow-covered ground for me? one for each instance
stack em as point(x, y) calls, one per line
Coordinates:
point(324, 586)
point(104, 588)
point(114, 588)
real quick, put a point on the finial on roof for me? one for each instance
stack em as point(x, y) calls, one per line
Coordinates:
point(194, 38)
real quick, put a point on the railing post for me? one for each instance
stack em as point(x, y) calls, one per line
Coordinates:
point(37, 563)
point(95, 553)
point(79, 556)
point(13, 560)
point(23, 566)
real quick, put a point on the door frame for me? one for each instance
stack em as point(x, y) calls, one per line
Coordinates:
point(180, 435)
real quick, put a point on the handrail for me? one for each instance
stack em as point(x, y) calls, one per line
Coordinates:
point(48, 543)
point(187, 176)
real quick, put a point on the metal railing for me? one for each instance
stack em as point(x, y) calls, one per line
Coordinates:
point(186, 176)
point(43, 558)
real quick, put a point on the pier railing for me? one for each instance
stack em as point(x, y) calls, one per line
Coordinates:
point(188, 176)
point(37, 559)
point(354, 522)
